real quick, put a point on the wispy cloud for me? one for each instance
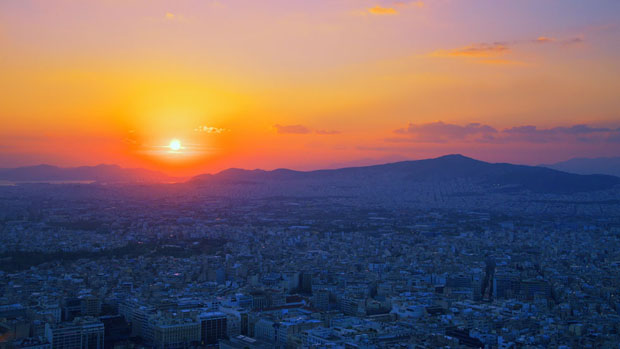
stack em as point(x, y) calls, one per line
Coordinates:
point(480, 50)
point(498, 53)
point(173, 17)
point(580, 133)
point(327, 132)
point(210, 129)
point(573, 41)
point(301, 130)
point(291, 129)
point(380, 10)
point(394, 7)
point(544, 40)
point(440, 132)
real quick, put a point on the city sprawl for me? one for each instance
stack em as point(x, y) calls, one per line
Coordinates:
point(152, 266)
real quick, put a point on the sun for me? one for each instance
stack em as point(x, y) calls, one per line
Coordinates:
point(175, 145)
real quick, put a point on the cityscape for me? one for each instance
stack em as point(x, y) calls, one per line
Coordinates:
point(289, 174)
point(182, 266)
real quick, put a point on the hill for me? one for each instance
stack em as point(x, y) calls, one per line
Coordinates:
point(608, 166)
point(453, 169)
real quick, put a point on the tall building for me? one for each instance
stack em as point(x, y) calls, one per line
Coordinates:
point(266, 330)
point(220, 276)
point(290, 281)
point(487, 283)
point(50, 312)
point(259, 300)
point(350, 305)
point(531, 289)
point(81, 333)
point(240, 316)
point(169, 333)
point(14, 328)
point(506, 285)
point(320, 299)
point(71, 308)
point(213, 327)
point(244, 301)
point(138, 316)
point(90, 305)
point(305, 282)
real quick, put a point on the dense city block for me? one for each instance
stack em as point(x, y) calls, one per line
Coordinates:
point(97, 266)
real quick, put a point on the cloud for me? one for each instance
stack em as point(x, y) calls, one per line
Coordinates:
point(544, 40)
point(563, 42)
point(301, 129)
point(327, 132)
point(481, 50)
point(493, 53)
point(580, 133)
point(573, 41)
point(440, 132)
point(393, 8)
point(574, 130)
point(210, 129)
point(291, 129)
point(380, 10)
point(614, 137)
point(172, 17)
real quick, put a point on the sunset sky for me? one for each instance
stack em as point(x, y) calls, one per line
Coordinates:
point(306, 84)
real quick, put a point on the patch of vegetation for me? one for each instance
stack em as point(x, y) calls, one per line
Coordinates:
point(20, 260)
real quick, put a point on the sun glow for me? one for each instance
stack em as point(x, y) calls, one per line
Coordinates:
point(175, 145)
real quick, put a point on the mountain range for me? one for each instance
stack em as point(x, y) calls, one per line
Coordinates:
point(446, 169)
point(463, 173)
point(608, 166)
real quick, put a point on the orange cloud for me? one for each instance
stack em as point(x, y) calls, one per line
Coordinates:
point(380, 10)
point(291, 129)
point(440, 132)
point(391, 9)
point(327, 132)
point(210, 129)
point(482, 50)
point(544, 40)
point(563, 42)
point(171, 17)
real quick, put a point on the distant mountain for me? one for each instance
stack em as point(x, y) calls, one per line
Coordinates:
point(608, 166)
point(99, 173)
point(457, 173)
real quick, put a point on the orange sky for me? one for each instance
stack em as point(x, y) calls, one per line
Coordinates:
point(306, 84)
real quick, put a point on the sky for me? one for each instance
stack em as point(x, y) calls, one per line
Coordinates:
point(306, 84)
